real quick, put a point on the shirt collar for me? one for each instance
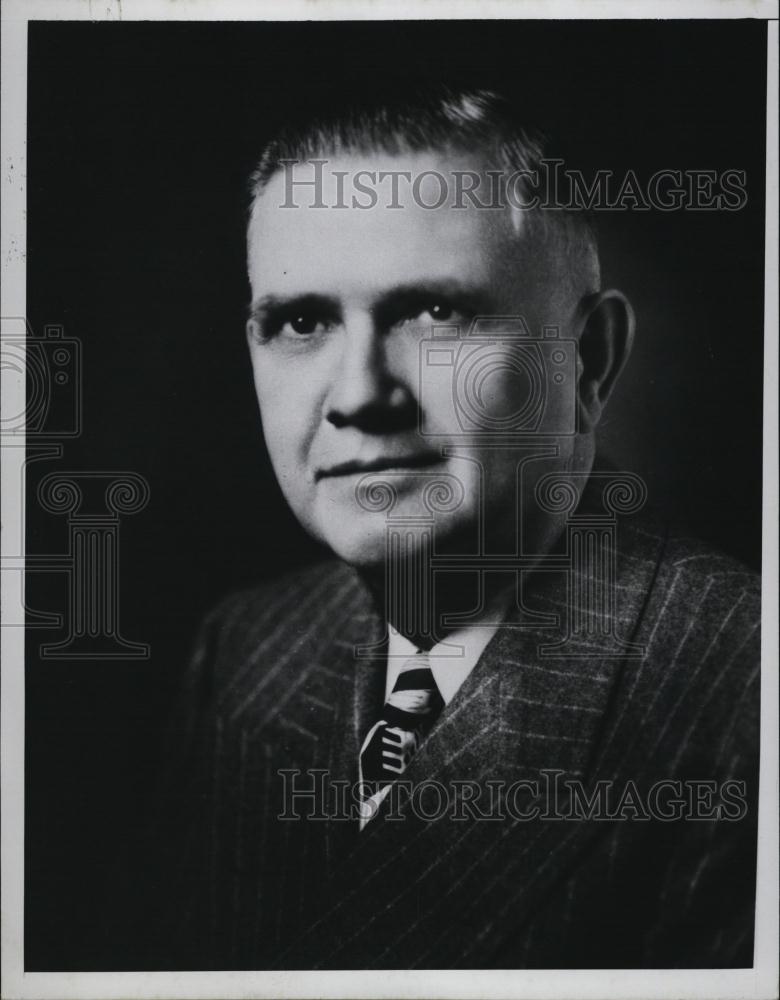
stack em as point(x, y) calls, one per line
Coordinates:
point(451, 660)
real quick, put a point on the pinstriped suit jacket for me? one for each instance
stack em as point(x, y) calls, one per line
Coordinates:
point(274, 685)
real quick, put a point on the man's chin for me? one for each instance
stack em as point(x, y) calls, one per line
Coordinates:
point(365, 542)
point(364, 551)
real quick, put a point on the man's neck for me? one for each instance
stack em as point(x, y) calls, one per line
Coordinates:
point(423, 615)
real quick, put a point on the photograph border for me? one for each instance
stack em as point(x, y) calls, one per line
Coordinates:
point(759, 982)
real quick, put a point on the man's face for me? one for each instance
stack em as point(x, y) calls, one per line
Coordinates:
point(343, 301)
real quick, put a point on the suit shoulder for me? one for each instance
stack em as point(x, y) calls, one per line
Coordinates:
point(698, 591)
point(700, 632)
point(701, 560)
point(238, 644)
point(272, 595)
point(666, 549)
point(252, 613)
point(704, 586)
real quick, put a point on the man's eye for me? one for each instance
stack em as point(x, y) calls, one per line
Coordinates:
point(305, 324)
point(440, 311)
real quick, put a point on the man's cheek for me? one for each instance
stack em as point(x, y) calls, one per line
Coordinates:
point(282, 439)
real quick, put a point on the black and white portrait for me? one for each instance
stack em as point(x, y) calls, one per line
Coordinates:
point(390, 496)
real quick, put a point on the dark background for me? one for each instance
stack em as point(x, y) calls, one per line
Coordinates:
point(140, 137)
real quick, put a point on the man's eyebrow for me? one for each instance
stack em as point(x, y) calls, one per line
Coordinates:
point(268, 307)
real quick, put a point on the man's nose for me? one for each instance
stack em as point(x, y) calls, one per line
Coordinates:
point(365, 393)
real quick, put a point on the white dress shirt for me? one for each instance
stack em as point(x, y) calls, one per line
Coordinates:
point(451, 661)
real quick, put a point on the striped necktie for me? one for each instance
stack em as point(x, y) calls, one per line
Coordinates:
point(410, 711)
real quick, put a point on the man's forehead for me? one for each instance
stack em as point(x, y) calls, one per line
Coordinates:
point(312, 222)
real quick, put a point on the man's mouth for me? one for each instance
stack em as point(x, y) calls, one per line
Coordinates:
point(383, 463)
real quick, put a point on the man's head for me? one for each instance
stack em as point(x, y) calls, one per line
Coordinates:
point(361, 331)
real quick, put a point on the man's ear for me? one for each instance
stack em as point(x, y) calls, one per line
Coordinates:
point(604, 346)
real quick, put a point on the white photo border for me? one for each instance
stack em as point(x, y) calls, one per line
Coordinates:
point(729, 984)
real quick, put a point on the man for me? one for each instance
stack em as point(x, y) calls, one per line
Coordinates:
point(504, 728)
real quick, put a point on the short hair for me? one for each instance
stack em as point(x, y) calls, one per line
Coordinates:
point(438, 117)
